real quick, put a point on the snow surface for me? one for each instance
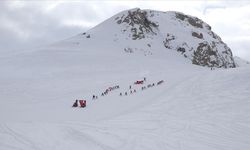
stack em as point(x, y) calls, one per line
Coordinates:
point(195, 108)
point(241, 62)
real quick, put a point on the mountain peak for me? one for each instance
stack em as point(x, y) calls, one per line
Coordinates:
point(138, 21)
point(151, 32)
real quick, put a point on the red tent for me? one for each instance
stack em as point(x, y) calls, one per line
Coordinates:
point(82, 103)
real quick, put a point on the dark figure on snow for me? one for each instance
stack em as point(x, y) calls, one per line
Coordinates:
point(120, 94)
point(75, 103)
point(134, 91)
point(93, 97)
point(144, 79)
point(130, 87)
point(126, 93)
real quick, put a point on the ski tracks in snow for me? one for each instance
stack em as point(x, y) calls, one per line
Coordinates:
point(13, 137)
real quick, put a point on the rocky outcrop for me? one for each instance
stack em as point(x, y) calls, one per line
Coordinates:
point(188, 35)
point(138, 24)
point(202, 50)
point(194, 21)
point(197, 35)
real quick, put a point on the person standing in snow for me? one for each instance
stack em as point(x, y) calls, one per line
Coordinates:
point(75, 104)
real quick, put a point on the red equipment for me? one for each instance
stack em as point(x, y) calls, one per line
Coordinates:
point(139, 82)
point(82, 103)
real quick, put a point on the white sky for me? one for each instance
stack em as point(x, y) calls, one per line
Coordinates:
point(27, 24)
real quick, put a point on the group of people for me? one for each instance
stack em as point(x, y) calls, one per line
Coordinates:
point(131, 91)
point(94, 97)
point(82, 103)
point(110, 89)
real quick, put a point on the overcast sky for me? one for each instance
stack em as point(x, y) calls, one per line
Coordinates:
point(28, 24)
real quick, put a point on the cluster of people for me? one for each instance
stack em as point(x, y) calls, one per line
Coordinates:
point(131, 91)
point(110, 89)
point(94, 97)
point(82, 103)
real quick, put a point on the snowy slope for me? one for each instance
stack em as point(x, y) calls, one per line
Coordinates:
point(240, 62)
point(149, 32)
point(195, 107)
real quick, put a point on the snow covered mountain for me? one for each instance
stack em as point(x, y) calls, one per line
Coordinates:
point(149, 32)
point(194, 108)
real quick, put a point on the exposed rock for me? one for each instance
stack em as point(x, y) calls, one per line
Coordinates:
point(191, 20)
point(181, 49)
point(139, 23)
point(207, 55)
point(203, 46)
point(202, 56)
point(128, 50)
point(168, 39)
point(199, 36)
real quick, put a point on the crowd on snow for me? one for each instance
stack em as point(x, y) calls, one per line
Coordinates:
point(82, 103)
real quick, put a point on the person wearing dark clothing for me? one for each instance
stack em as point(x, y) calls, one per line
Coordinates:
point(75, 104)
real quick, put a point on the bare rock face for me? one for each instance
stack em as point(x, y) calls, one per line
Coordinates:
point(197, 35)
point(210, 50)
point(205, 47)
point(138, 24)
